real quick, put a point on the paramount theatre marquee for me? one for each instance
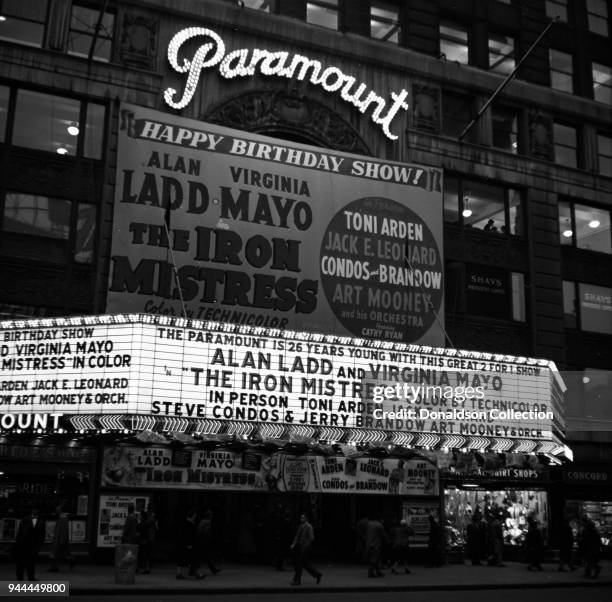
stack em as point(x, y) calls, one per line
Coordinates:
point(139, 372)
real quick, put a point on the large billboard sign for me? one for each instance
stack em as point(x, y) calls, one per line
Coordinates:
point(128, 467)
point(255, 231)
point(155, 366)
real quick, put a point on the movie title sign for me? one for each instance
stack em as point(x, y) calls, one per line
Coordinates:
point(219, 224)
point(149, 365)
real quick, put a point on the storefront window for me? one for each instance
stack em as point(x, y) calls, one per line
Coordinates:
point(23, 22)
point(513, 507)
point(501, 54)
point(384, 21)
point(561, 71)
point(83, 25)
point(599, 512)
point(454, 41)
point(323, 13)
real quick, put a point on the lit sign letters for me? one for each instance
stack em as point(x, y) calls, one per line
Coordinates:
point(238, 63)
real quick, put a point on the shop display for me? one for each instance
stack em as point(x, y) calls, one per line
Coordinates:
point(514, 506)
point(599, 512)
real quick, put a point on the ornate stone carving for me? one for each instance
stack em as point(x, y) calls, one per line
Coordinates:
point(138, 46)
point(425, 114)
point(540, 135)
point(290, 114)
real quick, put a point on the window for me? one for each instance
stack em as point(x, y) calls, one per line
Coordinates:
point(505, 129)
point(566, 224)
point(83, 25)
point(384, 21)
point(585, 227)
point(4, 104)
point(598, 16)
point(566, 145)
point(264, 5)
point(456, 113)
point(595, 308)
point(561, 71)
point(604, 153)
point(23, 22)
point(41, 228)
point(323, 13)
point(602, 83)
point(495, 293)
point(486, 207)
point(501, 54)
point(454, 42)
point(570, 307)
point(556, 8)
point(53, 123)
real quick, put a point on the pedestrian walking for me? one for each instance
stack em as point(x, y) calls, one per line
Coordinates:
point(400, 547)
point(186, 545)
point(566, 546)
point(147, 538)
point(60, 546)
point(301, 546)
point(474, 537)
point(30, 537)
point(435, 543)
point(534, 546)
point(131, 527)
point(590, 548)
point(205, 545)
point(497, 541)
point(376, 539)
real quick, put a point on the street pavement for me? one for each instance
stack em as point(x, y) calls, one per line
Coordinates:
point(243, 579)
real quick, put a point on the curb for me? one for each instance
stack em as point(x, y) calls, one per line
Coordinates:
point(173, 591)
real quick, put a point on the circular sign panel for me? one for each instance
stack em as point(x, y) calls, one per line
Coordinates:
point(381, 270)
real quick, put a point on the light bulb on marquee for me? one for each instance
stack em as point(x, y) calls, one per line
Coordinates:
point(295, 67)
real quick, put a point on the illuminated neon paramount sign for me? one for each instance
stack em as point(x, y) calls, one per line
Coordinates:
point(245, 63)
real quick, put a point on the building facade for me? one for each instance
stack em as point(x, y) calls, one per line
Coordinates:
point(526, 198)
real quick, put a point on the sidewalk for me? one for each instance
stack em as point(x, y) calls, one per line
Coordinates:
point(95, 579)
